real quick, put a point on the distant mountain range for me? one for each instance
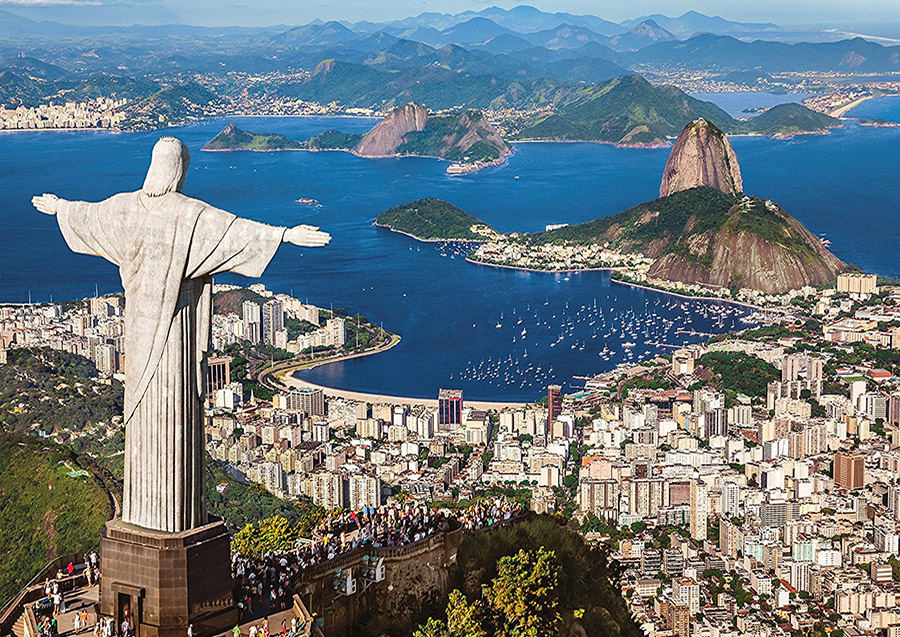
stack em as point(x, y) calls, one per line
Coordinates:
point(522, 42)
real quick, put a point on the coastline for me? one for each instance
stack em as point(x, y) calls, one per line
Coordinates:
point(391, 399)
point(283, 367)
point(524, 269)
point(474, 168)
point(840, 111)
point(621, 282)
point(689, 296)
point(412, 236)
point(641, 146)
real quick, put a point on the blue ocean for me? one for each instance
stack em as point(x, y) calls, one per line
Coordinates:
point(497, 334)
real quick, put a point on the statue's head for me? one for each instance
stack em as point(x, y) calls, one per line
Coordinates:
point(168, 167)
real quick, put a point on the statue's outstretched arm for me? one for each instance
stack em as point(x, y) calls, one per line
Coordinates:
point(47, 203)
point(306, 236)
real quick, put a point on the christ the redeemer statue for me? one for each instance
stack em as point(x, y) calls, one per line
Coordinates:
point(167, 247)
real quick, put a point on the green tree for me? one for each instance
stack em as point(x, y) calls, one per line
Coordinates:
point(432, 628)
point(465, 619)
point(273, 534)
point(524, 594)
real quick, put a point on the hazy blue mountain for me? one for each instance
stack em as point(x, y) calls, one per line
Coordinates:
point(32, 67)
point(584, 70)
point(693, 22)
point(420, 33)
point(316, 35)
point(565, 36)
point(725, 52)
point(640, 35)
point(521, 19)
point(526, 19)
point(474, 30)
point(506, 43)
point(377, 41)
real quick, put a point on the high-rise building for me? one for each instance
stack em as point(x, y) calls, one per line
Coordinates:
point(218, 374)
point(450, 405)
point(326, 489)
point(790, 367)
point(554, 404)
point(699, 510)
point(646, 496)
point(272, 320)
point(600, 497)
point(800, 575)
point(271, 476)
point(306, 400)
point(894, 410)
point(849, 470)
point(252, 315)
point(106, 358)
point(893, 503)
point(365, 491)
point(715, 422)
point(687, 591)
point(857, 283)
point(679, 620)
point(731, 499)
point(337, 332)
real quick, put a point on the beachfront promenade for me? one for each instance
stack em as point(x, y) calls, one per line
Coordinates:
point(280, 377)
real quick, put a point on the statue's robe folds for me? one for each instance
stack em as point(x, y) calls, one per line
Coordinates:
point(167, 248)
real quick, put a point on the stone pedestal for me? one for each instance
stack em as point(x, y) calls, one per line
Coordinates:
point(164, 581)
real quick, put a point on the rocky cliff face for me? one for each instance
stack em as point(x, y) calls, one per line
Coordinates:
point(701, 156)
point(779, 256)
point(472, 133)
point(702, 235)
point(389, 133)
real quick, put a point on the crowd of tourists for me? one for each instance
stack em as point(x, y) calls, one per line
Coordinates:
point(295, 628)
point(264, 584)
point(53, 604)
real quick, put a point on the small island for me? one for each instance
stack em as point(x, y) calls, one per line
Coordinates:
point(787, 120)
point(434, 220)
point(233, 138)
point(879, 123)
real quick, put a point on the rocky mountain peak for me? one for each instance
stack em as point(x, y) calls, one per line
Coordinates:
point(701, 156)
point(388, 134)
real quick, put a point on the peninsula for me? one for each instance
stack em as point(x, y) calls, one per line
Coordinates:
point(629, 111)
point(467, 139)
point(434, 220)
point(702, 231)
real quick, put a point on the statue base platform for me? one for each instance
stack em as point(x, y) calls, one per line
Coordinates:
point(164, 581)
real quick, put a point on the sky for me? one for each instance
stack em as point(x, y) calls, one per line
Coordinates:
point(838, 13)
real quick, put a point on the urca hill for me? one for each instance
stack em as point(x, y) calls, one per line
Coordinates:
point(704, 229)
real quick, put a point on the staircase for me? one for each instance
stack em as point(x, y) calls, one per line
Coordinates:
point(19, 626)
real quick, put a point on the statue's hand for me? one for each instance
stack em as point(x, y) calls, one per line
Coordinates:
point(306, 236)
point(46, 203)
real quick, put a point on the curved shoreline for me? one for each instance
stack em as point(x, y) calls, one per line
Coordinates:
point(688, 296)
point(621, 282)
point(283, 367)
point(390, 399)
point(412, 236)
point(840, 111)
point(524, 269)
